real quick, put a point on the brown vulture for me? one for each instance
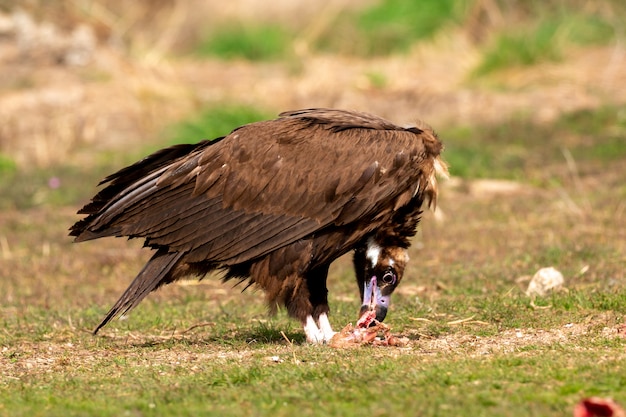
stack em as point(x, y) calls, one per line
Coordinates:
point(276, 202)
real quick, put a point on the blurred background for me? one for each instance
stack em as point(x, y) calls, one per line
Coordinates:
point(82, 80)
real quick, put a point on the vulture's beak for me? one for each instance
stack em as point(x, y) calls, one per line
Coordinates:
point(373, 300)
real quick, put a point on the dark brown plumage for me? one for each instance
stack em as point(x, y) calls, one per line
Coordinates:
point(276, 202)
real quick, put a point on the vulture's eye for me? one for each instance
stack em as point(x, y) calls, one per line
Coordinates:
point(389, 278)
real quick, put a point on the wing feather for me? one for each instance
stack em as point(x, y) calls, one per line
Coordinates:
point(265, 185)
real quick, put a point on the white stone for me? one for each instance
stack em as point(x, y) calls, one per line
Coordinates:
point(544, 281)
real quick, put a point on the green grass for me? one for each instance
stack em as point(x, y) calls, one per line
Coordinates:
point(389, 26)
point(607, 120)
point(227, 368)
point(524, 48)
point(394, 25)
point(247, 41)
point(521, 150)
point(588, 29)
point(214, 122)
point(48, 187)
point(400, 385)
point(377, 80)
point(547, 40)
point(7, 164)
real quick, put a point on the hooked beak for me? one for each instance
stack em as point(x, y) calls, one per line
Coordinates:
point(374, 301)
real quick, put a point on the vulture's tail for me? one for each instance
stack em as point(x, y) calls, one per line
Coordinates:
point(156, 272)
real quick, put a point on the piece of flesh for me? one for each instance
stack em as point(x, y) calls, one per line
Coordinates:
point(366, 332)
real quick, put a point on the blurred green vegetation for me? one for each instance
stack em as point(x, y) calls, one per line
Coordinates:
point(390, 26)
point(393, 25)
point(245, 41)
point(520, 48)
point(385, 28)
point(522, 150)
point(526, 33)
point(7, 164)
point(543, 40)
point(56, 186)
point(213, 122)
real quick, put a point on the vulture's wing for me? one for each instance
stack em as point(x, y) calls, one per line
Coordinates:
point(264, 186)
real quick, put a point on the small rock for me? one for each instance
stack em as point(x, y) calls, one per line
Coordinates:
point(544, 281)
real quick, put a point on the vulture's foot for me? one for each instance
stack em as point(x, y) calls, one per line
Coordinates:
point(320, 332)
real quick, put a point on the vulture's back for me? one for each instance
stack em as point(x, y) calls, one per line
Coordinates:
point(267, 185)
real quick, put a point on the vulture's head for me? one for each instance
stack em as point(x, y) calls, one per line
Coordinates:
point(379, 270)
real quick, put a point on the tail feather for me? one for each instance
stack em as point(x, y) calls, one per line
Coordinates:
point(154, 274)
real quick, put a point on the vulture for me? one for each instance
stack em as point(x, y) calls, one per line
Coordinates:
point(275, 203)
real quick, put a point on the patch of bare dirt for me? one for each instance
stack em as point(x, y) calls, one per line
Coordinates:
point(514, 341)
point(59, 356)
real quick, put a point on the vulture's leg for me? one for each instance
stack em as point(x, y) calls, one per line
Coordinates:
point(312, 331)
point(321, 331)
point(325, 327)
